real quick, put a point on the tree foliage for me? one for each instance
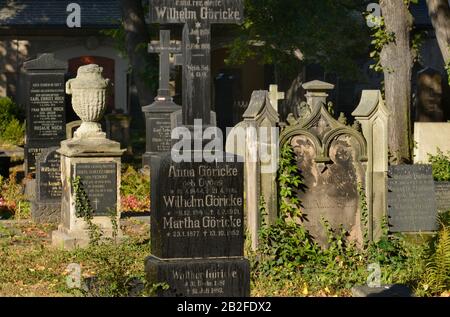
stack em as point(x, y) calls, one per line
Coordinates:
point(331, 33)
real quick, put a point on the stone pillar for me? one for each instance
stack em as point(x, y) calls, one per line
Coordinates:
point(92, 157)
point(256, 140)
point(316, 93)
point(373, 116)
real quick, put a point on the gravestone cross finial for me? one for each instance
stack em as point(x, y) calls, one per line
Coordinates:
point(275, 95)
point(197, 17)
point(164, 47)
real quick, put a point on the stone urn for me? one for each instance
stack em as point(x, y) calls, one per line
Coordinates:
point(88, 92)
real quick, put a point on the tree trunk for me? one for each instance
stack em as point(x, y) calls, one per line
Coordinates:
point(397, 61)
point(137, 35)
point(440, 17)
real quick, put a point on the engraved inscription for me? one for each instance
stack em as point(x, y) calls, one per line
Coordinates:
point(100, 184)
point(160, 133)
point(443, 196)
point(199, 204)
point(411, 198)
point(49, 177)
point(46, 107)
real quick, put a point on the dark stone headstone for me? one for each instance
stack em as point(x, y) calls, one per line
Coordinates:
point(411, 199)
point(197, 227)
point(45, 106)
point(157, 115)
point(33, 149)
point(197, 18)
point(197, 206)
point(158, 129)
point(46, 207)
point(443, 196)
point(99, 181)
point(201, 278)
point(197, 209)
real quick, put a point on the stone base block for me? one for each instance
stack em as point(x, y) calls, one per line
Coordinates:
point(217, 277)
point(45, 212)
point(395, 290)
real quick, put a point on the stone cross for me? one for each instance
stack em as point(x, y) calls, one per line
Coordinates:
point(197, 17)
point(164, 47)
point(275, 95)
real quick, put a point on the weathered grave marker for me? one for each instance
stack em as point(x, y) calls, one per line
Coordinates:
point(197, 206)
point(332, 160)
point(93, 158)
point(411, 199)
point(443, 196)
point(45, 107)
point(158, 114)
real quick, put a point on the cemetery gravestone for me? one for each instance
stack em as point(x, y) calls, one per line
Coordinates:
point(332, 160)
point(256, 140)
point(197, 228)
point(46, 207)
point(196, 18)
point(443, 196)
point(411, 199)
point(92, 158)
point(45, 107)
point(197, 206)
point(158, 114)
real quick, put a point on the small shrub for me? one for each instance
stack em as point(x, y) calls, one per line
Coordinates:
point(437, 274)
point(14, 133)
point(12, 198)
point(441, 166)
point(135, 190)
point(11, 130)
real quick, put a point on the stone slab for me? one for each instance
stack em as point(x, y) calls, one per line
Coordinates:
point(395, 290)
point(45, 212)
point(197, 208)
point(99, 181)
point(227, 277)
point(443, 196)
point(428, 137)
point(411, 199)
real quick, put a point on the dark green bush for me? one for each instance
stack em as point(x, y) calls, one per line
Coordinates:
point(441, 166)
point(12, 131)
